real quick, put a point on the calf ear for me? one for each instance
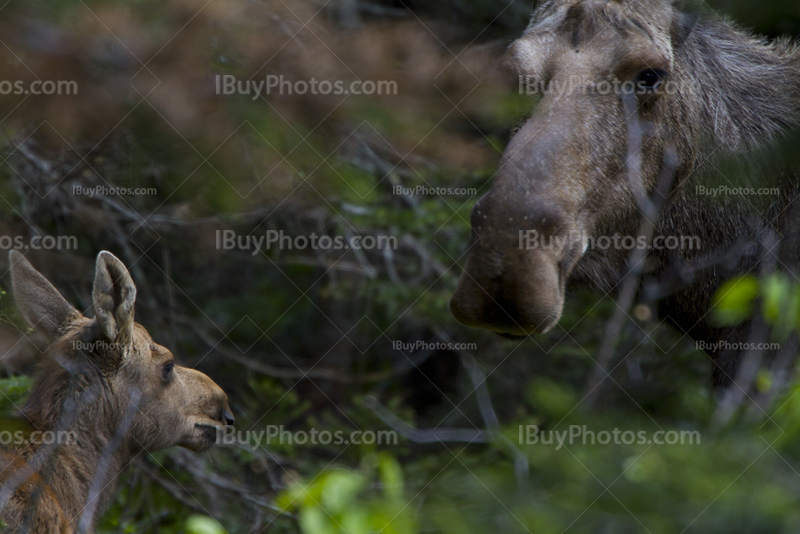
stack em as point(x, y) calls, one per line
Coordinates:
point(113, 296)
point(40, 303)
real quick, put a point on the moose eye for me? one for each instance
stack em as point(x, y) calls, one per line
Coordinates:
point(651, 79)
point(166, 371)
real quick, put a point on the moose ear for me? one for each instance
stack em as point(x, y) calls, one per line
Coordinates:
point(40, 303)
point(683, 24)
point(113, 296)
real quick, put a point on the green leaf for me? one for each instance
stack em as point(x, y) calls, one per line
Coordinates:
point(200, 524)
point(777, 292)
point(339, 489)
point(733, 303)
point(356, 521)
point(794, 308)
point(643, 468)
point(551, 398)
point(391, 476)
point(13, 391)
point(314, 520)
point(764, 381)
point(294, 497)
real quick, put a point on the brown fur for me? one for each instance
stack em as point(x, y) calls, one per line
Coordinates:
point(564, 173)
point(110, 390)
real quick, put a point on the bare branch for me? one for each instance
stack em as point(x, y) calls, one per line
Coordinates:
point(416, 435)
point(651, 210)
point(316, 373)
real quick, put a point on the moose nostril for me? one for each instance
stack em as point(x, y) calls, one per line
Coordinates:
point(228, 416)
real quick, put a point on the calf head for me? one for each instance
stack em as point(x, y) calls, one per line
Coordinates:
point(107, 373)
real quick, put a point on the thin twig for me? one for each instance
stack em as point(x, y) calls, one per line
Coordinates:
point(172, 487)
point(739, 390)
point(416, 435)
point(316, 373)
point(651, 210)
point(99, 482)
point(521, 464)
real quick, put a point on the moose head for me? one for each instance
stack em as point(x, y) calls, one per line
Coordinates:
point(694, 87)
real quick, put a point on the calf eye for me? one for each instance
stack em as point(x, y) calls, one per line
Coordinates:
point(651, 79)
point(166, 371)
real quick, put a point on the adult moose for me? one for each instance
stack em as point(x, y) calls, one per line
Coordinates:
point(703, 90)
point(108, 391)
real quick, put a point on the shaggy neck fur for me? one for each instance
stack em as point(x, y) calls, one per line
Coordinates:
point(74, 397)
point(738, 95)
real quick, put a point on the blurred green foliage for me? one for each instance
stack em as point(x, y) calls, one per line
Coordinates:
point(778, 294)
point(199, 524)
point(346, 502)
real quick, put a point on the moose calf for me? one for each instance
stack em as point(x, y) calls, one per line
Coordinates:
point(110, 390)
